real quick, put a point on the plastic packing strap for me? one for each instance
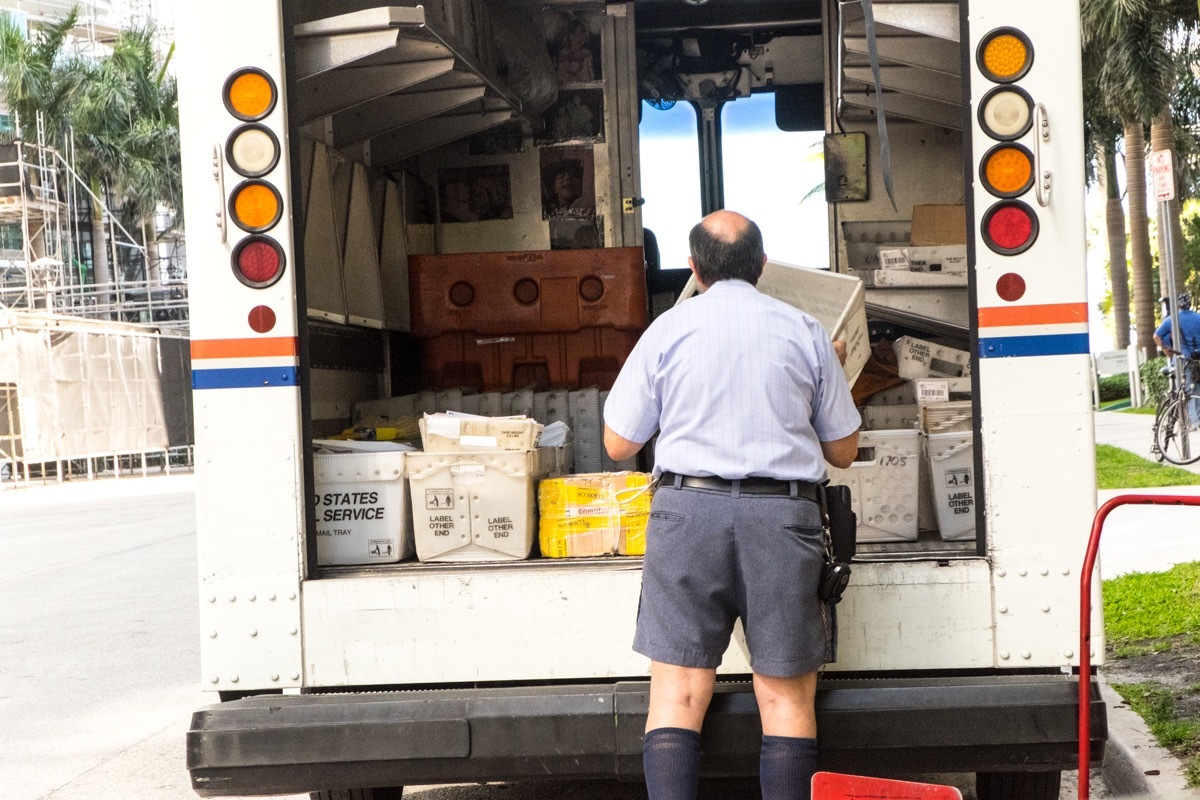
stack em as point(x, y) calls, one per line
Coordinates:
point(953, 419)
point(613, 500)
point(953, 451)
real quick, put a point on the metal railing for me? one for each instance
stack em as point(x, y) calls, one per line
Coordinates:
point(164, 305)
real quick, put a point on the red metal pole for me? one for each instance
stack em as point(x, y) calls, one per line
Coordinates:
point(1085, 617)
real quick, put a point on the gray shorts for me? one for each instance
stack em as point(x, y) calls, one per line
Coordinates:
point(712, 558)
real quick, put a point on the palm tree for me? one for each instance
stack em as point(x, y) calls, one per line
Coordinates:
point(37, 76)
point(121, 110)
point(127, 131)
point(1101, 132)
point(1127, 42)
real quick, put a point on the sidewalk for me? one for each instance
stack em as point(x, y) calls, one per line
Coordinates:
point(1132, 432)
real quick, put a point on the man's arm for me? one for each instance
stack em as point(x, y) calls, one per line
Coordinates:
point(839, 452)
point(619, 448)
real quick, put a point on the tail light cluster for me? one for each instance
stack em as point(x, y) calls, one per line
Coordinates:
point(252, 151)
point(1006, 114)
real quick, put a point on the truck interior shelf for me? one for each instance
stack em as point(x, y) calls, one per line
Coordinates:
point(386, 83)
point(940, 311)
point(919, 62)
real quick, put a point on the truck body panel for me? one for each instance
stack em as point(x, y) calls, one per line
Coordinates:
point(385, 674)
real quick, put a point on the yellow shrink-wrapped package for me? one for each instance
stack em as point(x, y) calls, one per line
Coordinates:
point(594, 514)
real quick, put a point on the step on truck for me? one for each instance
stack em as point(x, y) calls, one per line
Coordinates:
point(467, 200)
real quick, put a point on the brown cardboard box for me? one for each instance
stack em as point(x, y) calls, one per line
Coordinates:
point(939, 225)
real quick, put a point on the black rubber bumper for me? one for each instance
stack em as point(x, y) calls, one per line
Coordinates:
point(277, 744)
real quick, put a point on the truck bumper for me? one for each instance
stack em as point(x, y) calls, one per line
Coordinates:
point(277, 744)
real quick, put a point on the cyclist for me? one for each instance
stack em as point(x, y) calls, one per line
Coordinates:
point(1189, 346)
point(1189, 328)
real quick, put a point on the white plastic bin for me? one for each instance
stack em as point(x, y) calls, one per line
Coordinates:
point(917, 358)
point(881, 418)
point(884, 489)
point(837, 301)
point(588, 429)
point(477, 506)
point(952, 483)
point(361, 503)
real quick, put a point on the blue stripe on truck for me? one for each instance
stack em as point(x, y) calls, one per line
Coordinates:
point(243, 378)
point(1062, 344)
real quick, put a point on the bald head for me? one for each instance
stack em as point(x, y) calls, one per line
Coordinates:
point(727, 246)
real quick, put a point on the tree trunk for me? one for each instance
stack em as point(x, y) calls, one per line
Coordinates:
point(153, 262)
point(1118, 264)
point(1139, 236)
point(101, 271)
point(1162, 137)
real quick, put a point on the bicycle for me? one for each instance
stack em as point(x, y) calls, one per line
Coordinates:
point(1176, 429)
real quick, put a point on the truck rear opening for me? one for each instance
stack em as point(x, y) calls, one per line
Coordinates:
point(479, 207)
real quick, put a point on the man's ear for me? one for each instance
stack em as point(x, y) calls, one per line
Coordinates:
point(696, 274)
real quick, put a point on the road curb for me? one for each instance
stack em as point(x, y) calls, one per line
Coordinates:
point(1134, 764)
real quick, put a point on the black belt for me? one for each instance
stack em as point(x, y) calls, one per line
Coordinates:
point(805, 489)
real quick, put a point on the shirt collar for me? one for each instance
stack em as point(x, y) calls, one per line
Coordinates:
point(731, 284)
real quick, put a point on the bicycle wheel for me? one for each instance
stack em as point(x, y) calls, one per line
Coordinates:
point(1175, 436)
point(1159, 414)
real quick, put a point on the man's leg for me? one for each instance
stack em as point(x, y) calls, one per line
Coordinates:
point(789, 721)
point(679, 698)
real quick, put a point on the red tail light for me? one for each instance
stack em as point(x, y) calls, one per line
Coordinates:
point(258, 261)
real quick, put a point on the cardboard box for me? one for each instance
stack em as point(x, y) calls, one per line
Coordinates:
point(599, 514)
point(476, 506)
point(951, 258)
point(837, 301)
point(362, 503)
point(938, 225)
point(452, 433)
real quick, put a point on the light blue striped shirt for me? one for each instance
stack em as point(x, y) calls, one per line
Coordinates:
point(740, 384)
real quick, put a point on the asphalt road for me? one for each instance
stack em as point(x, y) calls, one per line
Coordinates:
point(99, 650)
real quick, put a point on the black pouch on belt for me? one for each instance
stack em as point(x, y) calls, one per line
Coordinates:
point(841, 528)
point(843, 525)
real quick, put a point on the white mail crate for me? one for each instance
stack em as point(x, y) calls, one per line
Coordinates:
point(837, 301)
point(883, 488)
point(362, 511)
point(917, 358)
point(478, 506)
point(952, 483)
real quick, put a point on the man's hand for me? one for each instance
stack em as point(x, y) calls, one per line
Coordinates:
point(839, 347)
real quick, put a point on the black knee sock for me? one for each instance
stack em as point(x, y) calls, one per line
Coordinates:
point(785, 767)
point(671, 760)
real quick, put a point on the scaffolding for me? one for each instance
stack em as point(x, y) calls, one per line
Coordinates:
point(47, 206)
point(94, 375)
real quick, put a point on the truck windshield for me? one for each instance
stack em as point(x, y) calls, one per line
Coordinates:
point(774, 177)
point(670, 166)
point(768, 173)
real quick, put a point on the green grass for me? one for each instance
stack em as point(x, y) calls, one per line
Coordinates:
point(1156, 706)
point(1139, 410)
point(1147, 613)
point(1153, 605)
point(1120, 469)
